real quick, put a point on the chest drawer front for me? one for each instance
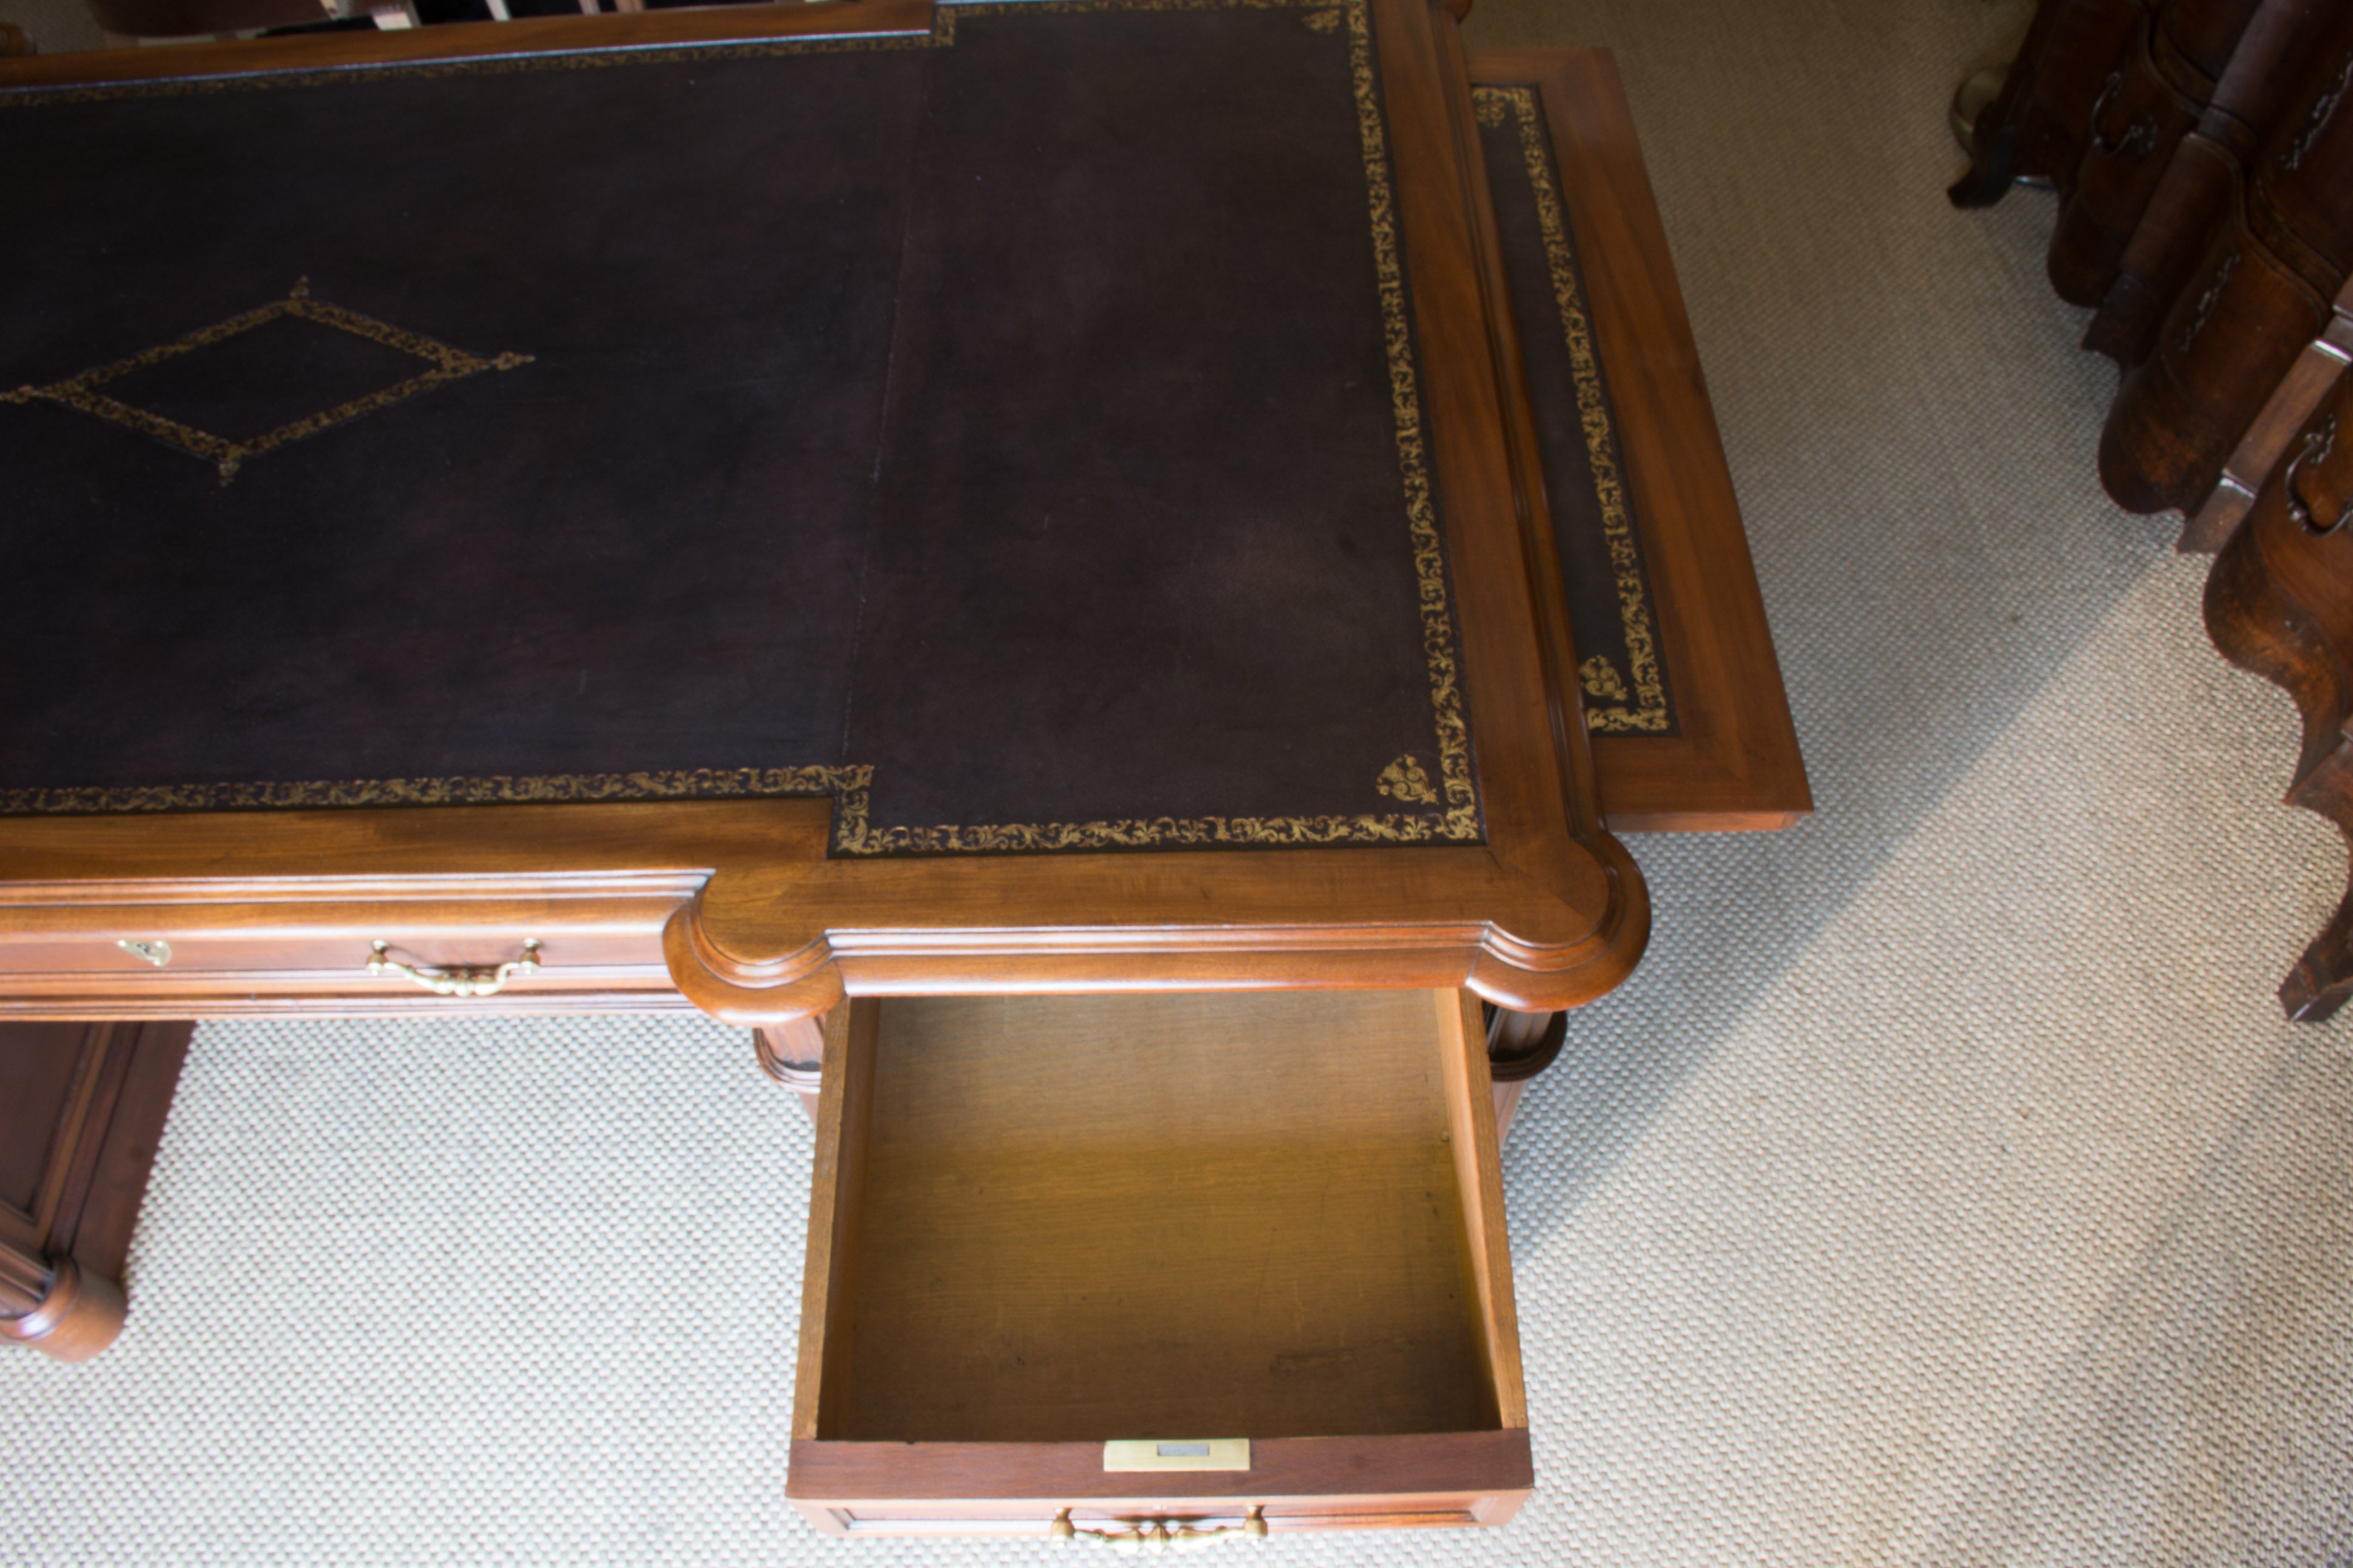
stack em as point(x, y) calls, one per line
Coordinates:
point(1043, 1224)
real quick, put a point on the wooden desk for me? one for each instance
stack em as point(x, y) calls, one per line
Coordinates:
point(737, 665)
point(723, 642)
point(1000, 499)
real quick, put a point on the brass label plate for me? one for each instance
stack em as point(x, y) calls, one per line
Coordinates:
point(1177, 1453)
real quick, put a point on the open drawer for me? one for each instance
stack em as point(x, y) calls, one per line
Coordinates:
point(1270, 1226)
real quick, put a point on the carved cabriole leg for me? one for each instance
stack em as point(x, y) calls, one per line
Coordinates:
point(58, 1308)
point(2261, 628)
point(2036, 129)
point(793, 1054)
point(2323, 977)
point(2285, 416)
point(2226, 343)
point(2133, 132)
point(2274, 607)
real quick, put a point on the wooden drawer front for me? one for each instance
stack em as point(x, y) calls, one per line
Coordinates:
point(1042, 1223)
point(1311, 1483)
point(175, 963)
point(1283, 1516)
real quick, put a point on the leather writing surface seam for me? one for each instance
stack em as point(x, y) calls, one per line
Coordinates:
point(445, 690)
point(1179, 519)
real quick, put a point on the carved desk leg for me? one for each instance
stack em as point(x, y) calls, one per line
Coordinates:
point(1519, 1047)
point(59, 1310)
point(82, 1109)
point(792, 1053)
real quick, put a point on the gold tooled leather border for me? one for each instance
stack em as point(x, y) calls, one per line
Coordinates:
point(1650, 711)
point(495, 789)
point(81, 392)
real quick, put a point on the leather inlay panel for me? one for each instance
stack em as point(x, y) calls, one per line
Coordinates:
point(1612, 611)
point(1013, 433)
point(637, 553)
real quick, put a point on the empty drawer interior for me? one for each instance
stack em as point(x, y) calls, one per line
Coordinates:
point(1082, 1218)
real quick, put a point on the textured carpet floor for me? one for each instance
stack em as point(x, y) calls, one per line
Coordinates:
point(1944, 1188)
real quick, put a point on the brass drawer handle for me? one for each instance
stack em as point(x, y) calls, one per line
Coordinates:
point(1154, 1536)
point(457, 979)
point(2318, 442)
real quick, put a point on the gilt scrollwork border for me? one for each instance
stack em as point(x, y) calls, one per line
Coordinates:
point(82, 392)
point(1648, 712)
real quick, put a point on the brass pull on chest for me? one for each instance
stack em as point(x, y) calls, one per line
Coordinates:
point(457, 979)
point(1151, 1537)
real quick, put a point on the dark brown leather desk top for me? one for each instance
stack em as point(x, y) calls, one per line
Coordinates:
point(1047, 428)
point(1023, 433)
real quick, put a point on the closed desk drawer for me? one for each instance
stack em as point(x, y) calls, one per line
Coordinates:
point(191, 961)
point(1267, 1226)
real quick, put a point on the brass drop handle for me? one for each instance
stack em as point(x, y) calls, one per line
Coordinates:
point(2318, 443)
point(2140, 131)
point(1153, 1536)
point(457, 979)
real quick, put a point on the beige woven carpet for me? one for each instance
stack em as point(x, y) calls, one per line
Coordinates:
point(1943, 1189)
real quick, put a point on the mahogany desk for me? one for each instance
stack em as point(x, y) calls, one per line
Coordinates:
point(741, 509)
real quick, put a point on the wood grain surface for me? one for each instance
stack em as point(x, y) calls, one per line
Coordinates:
point(2279, 601)
point(82, 1108)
